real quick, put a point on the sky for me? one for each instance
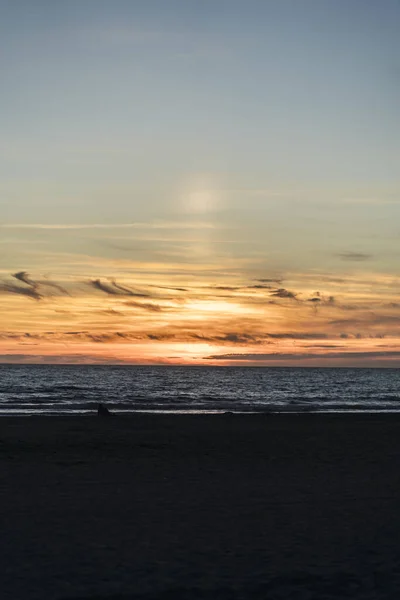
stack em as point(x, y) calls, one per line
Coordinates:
point(209, 182)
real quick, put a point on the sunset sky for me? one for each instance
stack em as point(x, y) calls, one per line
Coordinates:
point(209, 182)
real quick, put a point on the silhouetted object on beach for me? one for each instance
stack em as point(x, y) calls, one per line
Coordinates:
point(102, 411)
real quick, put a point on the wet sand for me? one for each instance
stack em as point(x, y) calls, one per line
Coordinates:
point(181, 507)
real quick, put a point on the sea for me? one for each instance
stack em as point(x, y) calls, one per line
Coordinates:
point(27, 390)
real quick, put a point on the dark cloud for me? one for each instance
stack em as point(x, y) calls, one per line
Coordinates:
point(255, 339)
point(24, 277)
point(113, 336)
point(75, 332)
point(104, 287)
point(106, 338)
point(238, 288)
point(72, 336)
point(11, 288)
point(166, 287)
point(224, 337)
point(268, 280)
point(318, 300)
point(160, 336)
point(279, 356)
point(115, 289)
point(260, 286)
point(101, 338)
point(55, 286)
point(34, 288)
point(240, 338)
point(112, 312)
point(313, 335)
point(283, 293)
point(149, 306)
point(74, 359)
point(354, 256)
point(50, 359)
point(10, 336)
point(231, 338)
point(324, 346)
point(127, 291)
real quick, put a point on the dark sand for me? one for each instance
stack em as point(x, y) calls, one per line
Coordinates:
point(181, 507)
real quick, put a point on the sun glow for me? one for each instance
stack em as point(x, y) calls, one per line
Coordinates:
point(215, 307)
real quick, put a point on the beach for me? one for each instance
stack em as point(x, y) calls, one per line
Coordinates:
point(200, 506)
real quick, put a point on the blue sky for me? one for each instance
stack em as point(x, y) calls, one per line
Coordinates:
point(292, 91)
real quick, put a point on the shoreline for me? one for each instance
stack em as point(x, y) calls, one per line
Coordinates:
point(200, 506)
point(131, 414)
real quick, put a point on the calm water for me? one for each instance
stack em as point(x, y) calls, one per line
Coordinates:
point(47, 389)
